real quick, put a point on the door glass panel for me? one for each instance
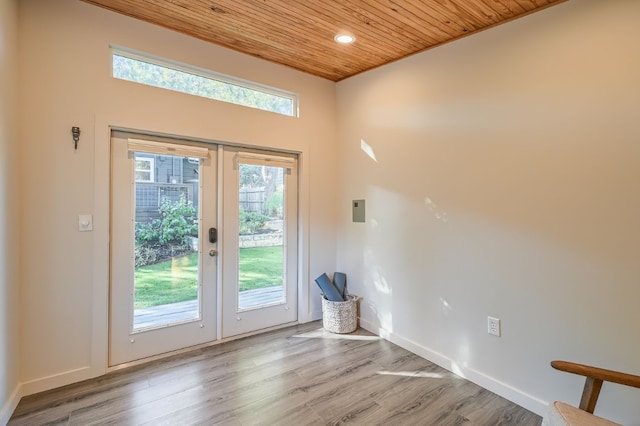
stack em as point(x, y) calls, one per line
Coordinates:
point(261, 261)
point(166, 277)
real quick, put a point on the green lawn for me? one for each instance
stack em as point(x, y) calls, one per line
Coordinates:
point(176, 280)
point(260, 267)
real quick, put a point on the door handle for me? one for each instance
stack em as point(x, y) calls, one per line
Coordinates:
point(213, 252)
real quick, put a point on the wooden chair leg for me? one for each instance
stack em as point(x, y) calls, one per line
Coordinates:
point(590, 394)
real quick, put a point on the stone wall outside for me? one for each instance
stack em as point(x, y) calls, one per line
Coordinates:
point(261, 240)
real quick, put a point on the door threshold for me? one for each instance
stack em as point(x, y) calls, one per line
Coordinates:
point(196, 347)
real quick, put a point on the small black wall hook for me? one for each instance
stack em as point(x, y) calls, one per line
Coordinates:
point(75, 132)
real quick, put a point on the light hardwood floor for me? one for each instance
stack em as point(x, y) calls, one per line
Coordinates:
point(300, 375)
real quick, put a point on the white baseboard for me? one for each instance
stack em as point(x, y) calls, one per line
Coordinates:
point(10, 405)
point(60, 379)
point(506, 391)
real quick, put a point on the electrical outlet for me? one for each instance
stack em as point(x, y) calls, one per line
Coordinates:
point(493, 326)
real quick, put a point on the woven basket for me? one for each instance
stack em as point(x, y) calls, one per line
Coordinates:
point(340, 317)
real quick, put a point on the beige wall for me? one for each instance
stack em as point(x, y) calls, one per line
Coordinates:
point(506, 183)
point(65, 60)
point(9, 243)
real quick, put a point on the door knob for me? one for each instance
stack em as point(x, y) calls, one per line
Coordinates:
point(213, 252)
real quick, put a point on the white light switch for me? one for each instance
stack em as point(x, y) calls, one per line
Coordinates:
point(85, 222)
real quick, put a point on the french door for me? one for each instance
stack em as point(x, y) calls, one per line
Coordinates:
point(259, 269)
point(163, 281)
point(203, 245)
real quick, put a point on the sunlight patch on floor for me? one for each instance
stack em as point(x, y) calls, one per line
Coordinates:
point(321, 333)
point(420, 374)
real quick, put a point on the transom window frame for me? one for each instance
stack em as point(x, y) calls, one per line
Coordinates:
point(206, 74)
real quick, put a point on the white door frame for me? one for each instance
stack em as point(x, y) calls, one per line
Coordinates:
point(104, 124)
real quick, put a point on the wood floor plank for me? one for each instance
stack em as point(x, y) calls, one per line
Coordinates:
point(300, 375)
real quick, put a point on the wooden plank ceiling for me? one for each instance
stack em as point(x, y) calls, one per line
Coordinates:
point(300, 33)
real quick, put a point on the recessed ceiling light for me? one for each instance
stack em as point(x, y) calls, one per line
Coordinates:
point(344, 38)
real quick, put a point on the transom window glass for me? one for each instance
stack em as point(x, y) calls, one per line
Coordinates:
point(167, 74)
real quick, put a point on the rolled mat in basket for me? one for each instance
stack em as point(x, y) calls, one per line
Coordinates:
point(330, 291)
point(340, 281)
point(340, 317)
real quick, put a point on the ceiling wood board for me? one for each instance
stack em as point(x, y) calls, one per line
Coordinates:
point(299, 34)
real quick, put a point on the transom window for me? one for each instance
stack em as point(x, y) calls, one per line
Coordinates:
point(167, 74)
